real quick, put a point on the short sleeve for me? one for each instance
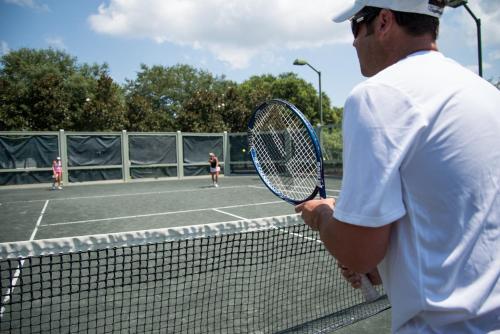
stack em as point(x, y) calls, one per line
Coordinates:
point(379, 126)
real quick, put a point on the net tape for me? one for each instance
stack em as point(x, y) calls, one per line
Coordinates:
point(259, 276)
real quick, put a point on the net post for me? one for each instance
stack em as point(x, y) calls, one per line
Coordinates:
point(63, 153)
point(180, 155)
point(125, 157)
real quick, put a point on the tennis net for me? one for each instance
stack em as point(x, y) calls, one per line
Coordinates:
point(257, 276)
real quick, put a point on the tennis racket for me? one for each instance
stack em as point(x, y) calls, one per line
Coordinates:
point(287, 156)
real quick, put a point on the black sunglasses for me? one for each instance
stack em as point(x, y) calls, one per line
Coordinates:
point(364, 16)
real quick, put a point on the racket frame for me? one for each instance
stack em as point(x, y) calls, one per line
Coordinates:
point(320, 178)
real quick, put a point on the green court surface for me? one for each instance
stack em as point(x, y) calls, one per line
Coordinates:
point(35, 213)
point(41, 213)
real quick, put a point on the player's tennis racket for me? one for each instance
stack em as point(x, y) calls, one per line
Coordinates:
point(287, 156)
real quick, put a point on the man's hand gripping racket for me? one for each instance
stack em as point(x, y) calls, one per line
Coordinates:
point(287, 156)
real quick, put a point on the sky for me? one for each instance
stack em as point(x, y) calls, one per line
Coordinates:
point(232, 38)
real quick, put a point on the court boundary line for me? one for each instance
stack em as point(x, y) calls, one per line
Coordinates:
point(229, 214)
point(39, 220)
point(286, 232)
point(205, 188)
point(264, 187)
point(276, 228)
point(17, 273)
point(289, 233)
point(158, 214)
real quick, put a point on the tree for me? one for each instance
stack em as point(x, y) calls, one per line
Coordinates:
point(47, 90)
point(166, 90)
point(141, 116)
point(234, 110)
point(215, 110)
point(33, 95)
point(104, 107)
point(202, 113)
point(290, 87)
point(256, 90)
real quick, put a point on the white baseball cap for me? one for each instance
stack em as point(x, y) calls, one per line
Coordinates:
point(426, 7)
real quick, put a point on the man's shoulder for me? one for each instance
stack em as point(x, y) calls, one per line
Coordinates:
point(377, 90)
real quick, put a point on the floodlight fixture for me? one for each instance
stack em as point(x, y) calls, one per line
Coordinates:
point(455, 3)
point(300, 62)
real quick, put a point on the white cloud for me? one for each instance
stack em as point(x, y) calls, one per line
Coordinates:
point(55, 42)
point(4, 48)
point(238, 31)
point(30, 4)
point(488, 11)
point(235, 31)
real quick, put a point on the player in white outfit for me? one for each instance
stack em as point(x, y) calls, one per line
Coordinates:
point(420, 197)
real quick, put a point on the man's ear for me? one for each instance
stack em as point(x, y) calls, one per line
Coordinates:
point(385, 22)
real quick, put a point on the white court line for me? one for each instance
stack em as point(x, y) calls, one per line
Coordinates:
point(303, 237)
point(146, 194)
point(17, 273)
point(336, 191)
point(258, 187)
point(133, 194)
point(158, 214)
point(39, 221)
point(289, 233)
point(229, 214)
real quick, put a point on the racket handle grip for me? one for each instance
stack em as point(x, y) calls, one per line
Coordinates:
point(368, 290)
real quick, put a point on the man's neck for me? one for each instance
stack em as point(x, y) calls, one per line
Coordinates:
point(407, 46)
point(411, 45)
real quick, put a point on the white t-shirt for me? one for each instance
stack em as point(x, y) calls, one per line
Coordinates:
point(422, 149)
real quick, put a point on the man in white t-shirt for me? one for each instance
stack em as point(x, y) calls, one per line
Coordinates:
point(420, 197)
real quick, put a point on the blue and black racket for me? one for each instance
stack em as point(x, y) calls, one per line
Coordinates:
point(287, 156)
point(286, 152)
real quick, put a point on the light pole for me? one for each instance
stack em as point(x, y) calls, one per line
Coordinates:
point(458, 3)
point(301, 62)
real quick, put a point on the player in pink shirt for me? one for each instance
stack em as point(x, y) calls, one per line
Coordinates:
point(57, 173)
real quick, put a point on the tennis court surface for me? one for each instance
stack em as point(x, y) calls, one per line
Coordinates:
point(175, 256)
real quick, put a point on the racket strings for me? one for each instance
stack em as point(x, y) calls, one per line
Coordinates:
point(285, 152)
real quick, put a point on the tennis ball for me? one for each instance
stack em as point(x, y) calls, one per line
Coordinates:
point(243, 150)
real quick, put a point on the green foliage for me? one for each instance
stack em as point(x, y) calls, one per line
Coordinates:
point(104, 107)
point(256, 90)
point(166, 90)
point(141, 115)
point(202, 113)
point(331, 140)
point(290, 87)
point(235, 111)
point(33, 93)
point(48, 90)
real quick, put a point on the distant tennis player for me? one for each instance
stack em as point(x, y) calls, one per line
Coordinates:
point(214, 169)
point(57, 174)
point(420, 197)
